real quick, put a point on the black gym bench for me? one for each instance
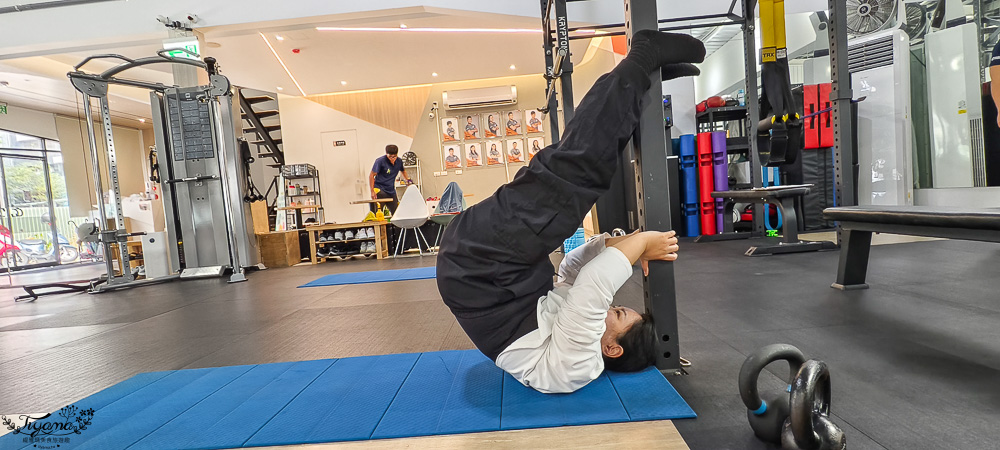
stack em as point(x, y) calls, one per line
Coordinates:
point(784, 198)
point(859, 222)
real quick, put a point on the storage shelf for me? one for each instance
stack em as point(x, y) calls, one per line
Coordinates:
point(722, 114)
point(345, 241)
point(303, 195)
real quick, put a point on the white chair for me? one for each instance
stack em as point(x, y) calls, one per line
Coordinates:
point(411, 214)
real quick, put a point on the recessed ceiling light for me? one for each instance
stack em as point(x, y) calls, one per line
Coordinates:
point(434, 74)
point(343, 83)
point(211, 44)
point(279, 37)
point(513, 67)
point(280, 88)
point(402, 25)
point(142, 120)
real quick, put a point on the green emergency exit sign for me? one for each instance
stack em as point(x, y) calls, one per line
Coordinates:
point(174, 49)
point(3, 108)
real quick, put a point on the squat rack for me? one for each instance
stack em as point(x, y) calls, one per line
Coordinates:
point(650, 143)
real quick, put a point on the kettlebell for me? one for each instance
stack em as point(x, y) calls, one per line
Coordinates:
point(767, 417)
point(809, 426)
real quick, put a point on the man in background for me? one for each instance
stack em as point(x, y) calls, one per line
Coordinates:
point(383, 176)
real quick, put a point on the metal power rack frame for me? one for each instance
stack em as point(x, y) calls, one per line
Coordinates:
point(650, 143)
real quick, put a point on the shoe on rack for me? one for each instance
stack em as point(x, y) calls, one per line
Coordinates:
point(323, 237)
point(338, 235)
point(348, 235)
point(366, 233)
point(371, 232)
point(369, 247)
point(321, 252)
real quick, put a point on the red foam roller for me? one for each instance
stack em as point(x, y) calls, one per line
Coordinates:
point(706, 183)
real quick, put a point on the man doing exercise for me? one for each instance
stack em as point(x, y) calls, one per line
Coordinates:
point(493, 267)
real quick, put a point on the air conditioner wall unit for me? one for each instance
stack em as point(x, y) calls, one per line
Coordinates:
point(880, 72)
point(480, 97)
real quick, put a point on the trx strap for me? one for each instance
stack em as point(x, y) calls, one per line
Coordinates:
point(786, 125)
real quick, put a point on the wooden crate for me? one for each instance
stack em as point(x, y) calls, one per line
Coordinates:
point(279, 249)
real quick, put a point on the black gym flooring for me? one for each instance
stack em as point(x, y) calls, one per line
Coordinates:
point(915, 360)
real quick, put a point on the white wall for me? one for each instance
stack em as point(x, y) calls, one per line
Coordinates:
point(682, 95)
point(29, 121)
point(723, 71)
point(302, 122)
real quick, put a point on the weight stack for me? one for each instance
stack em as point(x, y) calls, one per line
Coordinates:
point(689, 185)
point(706, 184)
point(720, 164)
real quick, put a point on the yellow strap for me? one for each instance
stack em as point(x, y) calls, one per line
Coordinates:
point(772, 30)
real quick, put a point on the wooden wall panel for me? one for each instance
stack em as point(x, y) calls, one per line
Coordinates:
point(399, 110)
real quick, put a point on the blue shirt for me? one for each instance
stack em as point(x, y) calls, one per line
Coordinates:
point(385, 174)
point(995, 57)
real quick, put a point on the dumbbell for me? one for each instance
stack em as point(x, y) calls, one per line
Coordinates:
point(767, 417)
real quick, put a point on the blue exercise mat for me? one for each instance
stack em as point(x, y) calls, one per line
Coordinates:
point(375, 276)
point(369, 397)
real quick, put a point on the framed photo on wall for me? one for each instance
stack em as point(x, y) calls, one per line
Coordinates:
point(535, 144)
point(491, 125)
point(474, 154)
point(470, 127)
point(452, 157)
point(515, 150)
point(494, 153)
point(449, 129)
point(512, 123)
point(533, 121)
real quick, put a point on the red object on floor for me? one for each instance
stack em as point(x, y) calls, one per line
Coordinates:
point(825, 119)
point(810, 104)
point(706, 183)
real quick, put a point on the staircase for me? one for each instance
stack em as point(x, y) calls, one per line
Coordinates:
point(262, 129)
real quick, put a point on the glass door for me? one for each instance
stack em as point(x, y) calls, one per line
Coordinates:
point(28, 237)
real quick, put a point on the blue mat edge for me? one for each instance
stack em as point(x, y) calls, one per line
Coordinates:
point(315, 283)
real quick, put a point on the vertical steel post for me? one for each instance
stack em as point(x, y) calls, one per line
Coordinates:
point(116, 191)
point(653, 194)
point(753, 107)
point(566, 69)
point(840, 96)
point(550, 84)
point(95, 162)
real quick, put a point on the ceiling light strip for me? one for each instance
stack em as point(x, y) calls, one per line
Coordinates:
point(289, 72)
point(432, 30)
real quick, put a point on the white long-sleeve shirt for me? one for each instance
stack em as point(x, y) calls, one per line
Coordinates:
point(564, 353)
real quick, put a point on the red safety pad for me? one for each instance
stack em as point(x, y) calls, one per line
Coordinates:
point(810, 104)
point(706, 183)
point(825, 119)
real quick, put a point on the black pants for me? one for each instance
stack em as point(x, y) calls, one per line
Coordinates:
point(493, 264)
point(392, 205)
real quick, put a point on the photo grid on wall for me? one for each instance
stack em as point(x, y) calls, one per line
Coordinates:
point(491, 138)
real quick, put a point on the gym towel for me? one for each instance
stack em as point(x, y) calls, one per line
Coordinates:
point(375, 276)
point(348, 399)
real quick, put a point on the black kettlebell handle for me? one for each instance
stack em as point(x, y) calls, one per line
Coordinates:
point(756, 362)
point(813, 378)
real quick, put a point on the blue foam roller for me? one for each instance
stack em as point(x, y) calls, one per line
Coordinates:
point(689, 184)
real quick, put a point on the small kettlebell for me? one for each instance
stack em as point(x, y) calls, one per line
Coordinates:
point(767, 417)
point(809, 426)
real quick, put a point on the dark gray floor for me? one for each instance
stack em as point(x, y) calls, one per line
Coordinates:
point(915, 359)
